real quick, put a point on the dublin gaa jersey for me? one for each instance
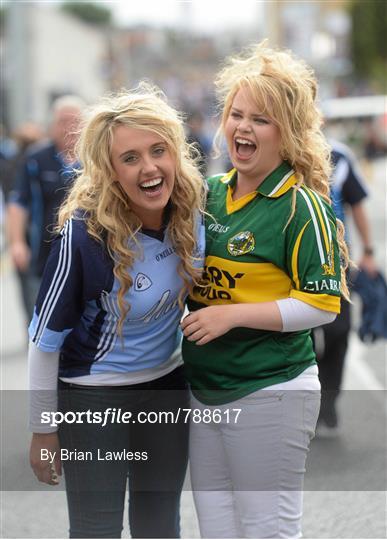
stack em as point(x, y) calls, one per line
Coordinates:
point(254, 255)
point(77, 310)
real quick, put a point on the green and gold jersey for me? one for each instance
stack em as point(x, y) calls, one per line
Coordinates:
point(254, 255)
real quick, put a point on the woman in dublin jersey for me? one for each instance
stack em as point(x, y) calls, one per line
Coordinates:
point(105, 327)
point(272, 272)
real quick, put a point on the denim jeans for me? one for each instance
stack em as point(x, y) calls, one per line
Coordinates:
point(96, 487)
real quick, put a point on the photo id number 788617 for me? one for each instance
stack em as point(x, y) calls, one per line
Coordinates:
point(211, 416)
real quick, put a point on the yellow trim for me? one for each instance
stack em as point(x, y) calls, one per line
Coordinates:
point(295, 256)
point(287, 185)
point(227, 177)
point(322, 222)
point(233, 206)
point(327, 302)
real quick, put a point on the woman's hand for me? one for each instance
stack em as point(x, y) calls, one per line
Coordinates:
point(46, 470)
point(207, 324)
point(211, 322)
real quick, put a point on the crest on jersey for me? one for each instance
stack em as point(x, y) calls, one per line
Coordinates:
point(329, 269)
point(241, 243)
point(142, 282)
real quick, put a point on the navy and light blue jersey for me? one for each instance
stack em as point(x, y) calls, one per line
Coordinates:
point(40, 187)
point(77, 310)
point(347, 184)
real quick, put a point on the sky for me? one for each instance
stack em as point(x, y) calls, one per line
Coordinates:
point(200, 15)
point(205, 15)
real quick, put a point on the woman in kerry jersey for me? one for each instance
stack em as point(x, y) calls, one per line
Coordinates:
point(272, 272)
point(105, 327)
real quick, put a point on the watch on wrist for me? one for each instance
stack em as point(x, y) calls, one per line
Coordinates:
point(368, 250)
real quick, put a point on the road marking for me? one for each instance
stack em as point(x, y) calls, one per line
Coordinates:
point(358, 375)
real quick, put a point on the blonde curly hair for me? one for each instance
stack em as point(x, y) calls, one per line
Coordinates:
point(285, 89)
point(107, 212)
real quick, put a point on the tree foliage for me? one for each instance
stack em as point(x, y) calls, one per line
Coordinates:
point(88, 12)
point(369, 38)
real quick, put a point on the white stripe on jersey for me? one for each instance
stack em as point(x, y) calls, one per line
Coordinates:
point(58, 281)
point(281, 183)
point(107, 340)
point(109, 319)
point(111, 337)
point(315, 223)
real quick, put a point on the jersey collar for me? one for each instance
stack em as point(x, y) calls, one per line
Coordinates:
point(276, 184)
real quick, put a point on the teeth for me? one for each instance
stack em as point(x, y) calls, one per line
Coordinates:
point(152, 183)
point(244, 141)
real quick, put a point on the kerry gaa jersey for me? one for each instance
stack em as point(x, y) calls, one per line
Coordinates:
point(77, 311)
point(252, 256)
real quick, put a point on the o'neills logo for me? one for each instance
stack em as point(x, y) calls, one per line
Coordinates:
point(241, 243)
point(217, 227)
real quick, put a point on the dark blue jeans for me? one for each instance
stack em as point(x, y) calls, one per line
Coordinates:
point(96, 487)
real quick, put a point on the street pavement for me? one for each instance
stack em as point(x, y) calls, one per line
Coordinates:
point(345, 484)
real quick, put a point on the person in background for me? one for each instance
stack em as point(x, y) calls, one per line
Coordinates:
point(197, 135)
point(8, 151)
point(348, 193)
point(25, 137)
point(39, 188)
point(7, 145)
point(272, 272)
point(106, 322)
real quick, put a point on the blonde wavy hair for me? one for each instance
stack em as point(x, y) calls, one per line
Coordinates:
point(285, 89)
point(107, 212)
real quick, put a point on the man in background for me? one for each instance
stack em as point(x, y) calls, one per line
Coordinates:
point(38, 191)
point(348, 193)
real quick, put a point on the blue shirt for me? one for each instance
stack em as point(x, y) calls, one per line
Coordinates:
point(77, 310)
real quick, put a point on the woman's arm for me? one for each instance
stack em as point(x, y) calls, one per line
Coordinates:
point(58, 310)
point(287, 315)
point(43, 377)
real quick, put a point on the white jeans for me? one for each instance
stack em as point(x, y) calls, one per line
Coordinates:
point(247, 475)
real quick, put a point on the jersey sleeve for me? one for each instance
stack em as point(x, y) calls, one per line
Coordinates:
point(312, 252)
point(354, 189)
point(60, 301)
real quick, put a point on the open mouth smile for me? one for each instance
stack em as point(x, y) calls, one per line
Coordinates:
point(152, 187)
point(244, 148)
